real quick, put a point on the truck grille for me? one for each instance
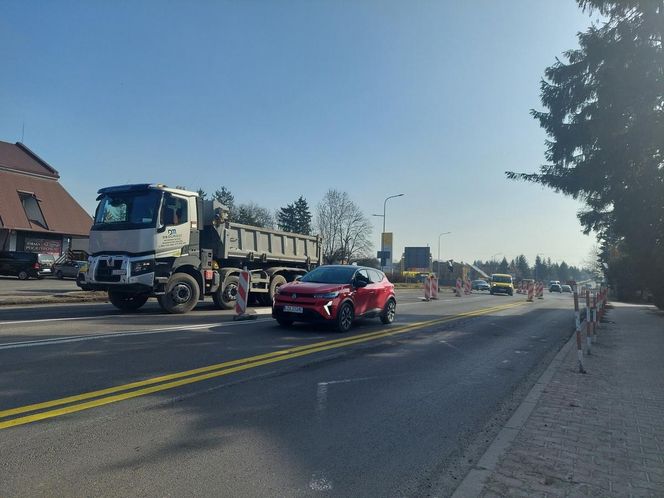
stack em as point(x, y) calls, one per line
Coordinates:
point(104, 272)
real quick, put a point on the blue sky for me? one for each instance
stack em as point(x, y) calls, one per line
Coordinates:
point(276, 99)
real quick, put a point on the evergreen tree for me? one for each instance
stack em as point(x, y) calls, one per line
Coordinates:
point(295, 217)
point(201, 193)
point(225, 196)
point(302, 216)
point(503, 267)
point(605, 121)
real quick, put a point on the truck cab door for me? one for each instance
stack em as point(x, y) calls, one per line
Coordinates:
point(173, 234)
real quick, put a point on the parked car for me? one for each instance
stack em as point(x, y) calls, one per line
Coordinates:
point(68, 269)
point(26, 264)
point(501, 283)
point(566, 288)
point(336, 294)
point(480, 285)
point(555, 288)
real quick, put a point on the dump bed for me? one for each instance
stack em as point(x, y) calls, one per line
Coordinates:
point(234, 241)
point(269, 246)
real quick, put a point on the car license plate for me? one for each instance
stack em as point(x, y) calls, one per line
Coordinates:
point(46, 270)
point(293, 309)
point(118, 272)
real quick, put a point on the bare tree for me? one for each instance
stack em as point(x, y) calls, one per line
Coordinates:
point(346, 231)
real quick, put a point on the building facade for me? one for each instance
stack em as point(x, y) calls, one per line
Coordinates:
point(36, 213)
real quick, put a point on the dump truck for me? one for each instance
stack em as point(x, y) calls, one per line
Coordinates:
point(149, 240)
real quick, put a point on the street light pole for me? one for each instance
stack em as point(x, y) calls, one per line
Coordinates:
point(382, 242)
point(536, 255)
point(439, 236)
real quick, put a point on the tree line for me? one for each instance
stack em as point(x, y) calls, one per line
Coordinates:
point(543, 269)
point(344, 228)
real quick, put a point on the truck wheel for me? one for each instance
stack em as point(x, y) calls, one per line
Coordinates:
point(181, 295)
point(127, 302)
point(224, 298)
point(276, 282)
point(23, 275)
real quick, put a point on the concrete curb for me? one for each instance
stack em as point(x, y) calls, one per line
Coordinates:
point(473, 483)
point(65, 297)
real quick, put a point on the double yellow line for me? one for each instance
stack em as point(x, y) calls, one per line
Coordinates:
point(93, 399)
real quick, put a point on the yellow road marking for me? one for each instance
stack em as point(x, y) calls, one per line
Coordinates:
point(166, 382)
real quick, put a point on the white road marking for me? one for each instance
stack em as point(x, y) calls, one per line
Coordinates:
point(259, 311)
point(81, 338)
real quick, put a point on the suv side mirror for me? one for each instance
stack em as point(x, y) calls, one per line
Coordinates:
point(360, 283)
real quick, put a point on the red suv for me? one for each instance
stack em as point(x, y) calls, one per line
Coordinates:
point(336, 294)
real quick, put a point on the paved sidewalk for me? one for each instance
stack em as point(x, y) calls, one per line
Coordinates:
point(599, 434)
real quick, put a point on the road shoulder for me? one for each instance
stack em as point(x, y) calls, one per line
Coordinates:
point(599, 434)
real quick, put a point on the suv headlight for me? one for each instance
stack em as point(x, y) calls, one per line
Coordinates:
point(139, 267)
point(327, 295)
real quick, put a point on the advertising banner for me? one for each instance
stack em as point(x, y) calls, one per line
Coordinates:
point(43, 246)
point(386, 243)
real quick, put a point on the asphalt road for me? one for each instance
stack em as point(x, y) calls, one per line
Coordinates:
point(95, 402)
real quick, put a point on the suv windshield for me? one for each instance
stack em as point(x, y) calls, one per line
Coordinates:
point(122, 210)
point(331, 275)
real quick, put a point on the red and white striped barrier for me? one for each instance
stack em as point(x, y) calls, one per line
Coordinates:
point(531, 292)
point(540, 290)
point(457, 289)
point(589, 325)
point(241, 297)
point(577, 322)
point(430, 288)
point(467, 287)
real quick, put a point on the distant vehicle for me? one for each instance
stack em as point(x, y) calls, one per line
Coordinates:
point(480, 285)
point(336, 294)
point(26, 264)
point(555, 288)
point(68, 268)
point(501, 283)
point(566, 288)
point(551, 282)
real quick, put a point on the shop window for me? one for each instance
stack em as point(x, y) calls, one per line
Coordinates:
point(32, 209)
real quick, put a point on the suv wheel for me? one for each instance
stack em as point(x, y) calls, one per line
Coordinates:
point(390, 310)
point(23, 275)
point(345, 317)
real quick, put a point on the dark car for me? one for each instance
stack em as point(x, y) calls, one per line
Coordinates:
point(480, 285)
point(26, 264)
point(336, 294)
point(555, 288)
point(68, 269)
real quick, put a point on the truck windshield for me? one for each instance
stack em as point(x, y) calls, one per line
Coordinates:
point(501, 279)
point(127, 210)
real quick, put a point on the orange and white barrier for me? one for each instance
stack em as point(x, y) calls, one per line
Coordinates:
point(467, 287)
point(531, 291)
point(577, 322)
point(457, 289)
point(430, 288)
point(540, 290)
point(242, 296)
